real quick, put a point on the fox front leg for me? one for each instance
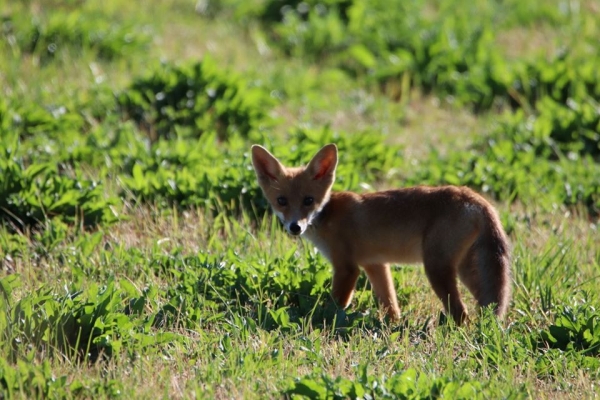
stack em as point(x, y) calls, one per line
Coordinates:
point(382, 283)
point(345, 276)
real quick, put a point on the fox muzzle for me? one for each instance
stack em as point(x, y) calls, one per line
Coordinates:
point(294, 228)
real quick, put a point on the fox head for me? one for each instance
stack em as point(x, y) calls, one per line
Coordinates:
point(296, 194)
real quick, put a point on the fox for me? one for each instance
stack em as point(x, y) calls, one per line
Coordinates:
point(452, 230)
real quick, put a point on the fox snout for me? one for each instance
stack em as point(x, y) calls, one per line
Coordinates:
point(292, 225)
point(295, 228)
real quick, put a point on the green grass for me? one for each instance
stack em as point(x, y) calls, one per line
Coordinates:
point(138, 257)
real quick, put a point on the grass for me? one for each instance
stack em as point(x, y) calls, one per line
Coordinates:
point(213, 303)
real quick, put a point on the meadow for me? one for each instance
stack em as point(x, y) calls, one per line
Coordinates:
point(139, 259)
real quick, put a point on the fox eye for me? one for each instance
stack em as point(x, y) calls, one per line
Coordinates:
point(308, 201)
point(282, 201)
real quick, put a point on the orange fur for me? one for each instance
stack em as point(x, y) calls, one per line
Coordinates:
point(453, 230)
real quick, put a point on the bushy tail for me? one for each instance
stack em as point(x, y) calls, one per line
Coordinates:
point(493, 254)
point(486, 270)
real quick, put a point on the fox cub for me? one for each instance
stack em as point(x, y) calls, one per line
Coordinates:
point(452, 230)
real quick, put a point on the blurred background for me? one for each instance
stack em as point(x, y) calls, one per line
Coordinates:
point(101, 87)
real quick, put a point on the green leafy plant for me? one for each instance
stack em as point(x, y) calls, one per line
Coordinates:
point(31, 195)
point(189, 100)
point(405, 384)
point(206, 172)
point(451, 52)
point(85, 324)
point(34, 381)
point(576, 329)
point(522, 158)
point(72, 31)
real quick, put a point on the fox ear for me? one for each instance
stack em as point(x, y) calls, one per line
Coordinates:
point(266, 166)
point(323, 164)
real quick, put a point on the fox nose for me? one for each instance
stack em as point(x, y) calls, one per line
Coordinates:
point(295, 228)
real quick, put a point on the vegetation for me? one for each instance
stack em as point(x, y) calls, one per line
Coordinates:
point(138, 257)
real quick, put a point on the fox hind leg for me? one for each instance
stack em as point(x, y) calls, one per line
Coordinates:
point(468, 272)
point(442, 276)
